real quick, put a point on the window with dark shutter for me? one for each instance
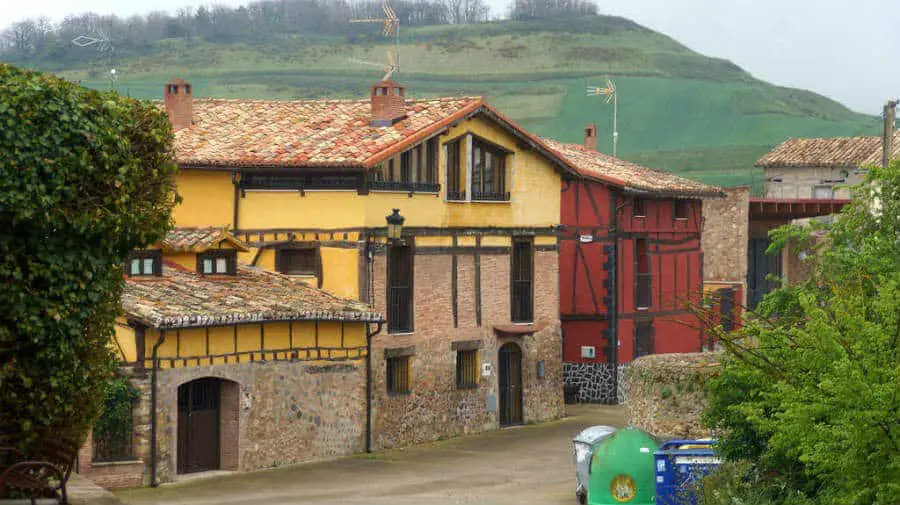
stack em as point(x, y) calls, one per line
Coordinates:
point(682, 209)
point(638, 207)
point(217, 262)
point(488, 172)
point(455, 188)
point(400, 289)
point(642, 278)
point(144, 263)
point(297, 261)
point(643, 339)
point(522, 279)
point(467, 369)
point(398, 375)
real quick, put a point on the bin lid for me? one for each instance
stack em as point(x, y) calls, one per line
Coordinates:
point(594, 434)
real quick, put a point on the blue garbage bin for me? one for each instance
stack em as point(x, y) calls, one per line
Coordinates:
point(680, 465)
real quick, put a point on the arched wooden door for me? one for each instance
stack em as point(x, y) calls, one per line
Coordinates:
point(510, 378)
point(198, 425)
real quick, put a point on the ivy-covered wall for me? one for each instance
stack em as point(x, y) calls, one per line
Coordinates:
point(665, 393)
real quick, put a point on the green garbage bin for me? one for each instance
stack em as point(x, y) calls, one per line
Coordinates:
point(622, 469)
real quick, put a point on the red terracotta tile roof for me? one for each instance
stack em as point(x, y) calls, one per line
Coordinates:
point(198, 239)
point(316, 133)
point(183, 299)
point(835, 152)
point(630, 176)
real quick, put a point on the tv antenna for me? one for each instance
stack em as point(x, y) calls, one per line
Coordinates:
point(389, 68)
point(104, 45)
point(611, 96)
point(390, 27)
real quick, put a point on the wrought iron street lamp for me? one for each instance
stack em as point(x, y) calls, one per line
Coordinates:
point(395, 225)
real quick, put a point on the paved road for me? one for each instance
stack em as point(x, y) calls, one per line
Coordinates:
point(524, 465)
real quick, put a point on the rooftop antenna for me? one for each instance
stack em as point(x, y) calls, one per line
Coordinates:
point(389, 68)
point(611, 96)
point(102, 41)
point(390, 27)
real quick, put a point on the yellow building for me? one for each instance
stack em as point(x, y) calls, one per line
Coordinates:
point(232, 362)
point(469, 285)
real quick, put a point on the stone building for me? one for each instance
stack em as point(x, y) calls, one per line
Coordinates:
point(237, 368)
point(820, 168)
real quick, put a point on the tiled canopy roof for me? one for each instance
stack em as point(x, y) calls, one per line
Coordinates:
point(630, 176)
point(185, 299)
point(315, 133)
point(198, 239)
point(835, 152)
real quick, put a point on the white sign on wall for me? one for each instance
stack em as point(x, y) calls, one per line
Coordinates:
point(485, 369)
point(586, 238)
point(588, 351)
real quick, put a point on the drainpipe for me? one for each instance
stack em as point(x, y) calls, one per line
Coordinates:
point(369, 336)
point(153, 401)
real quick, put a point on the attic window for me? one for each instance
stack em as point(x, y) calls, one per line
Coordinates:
point(187, 89)
point(638, 209)
point(682, 209)
point(144, 263)
point(217, 262)
point(173, 89)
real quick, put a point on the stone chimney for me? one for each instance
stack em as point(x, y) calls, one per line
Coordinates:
point(887, 137)
point(590, 137)
point(179, 103)
point(388, 103)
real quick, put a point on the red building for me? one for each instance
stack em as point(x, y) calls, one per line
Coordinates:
point(630, 262)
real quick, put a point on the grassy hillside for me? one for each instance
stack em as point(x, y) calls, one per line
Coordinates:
point(679, 110)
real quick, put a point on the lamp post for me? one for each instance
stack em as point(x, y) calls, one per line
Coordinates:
point(395, 225)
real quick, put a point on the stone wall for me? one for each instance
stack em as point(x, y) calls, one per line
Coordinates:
point(800, 182)
point(596, 382)
point(435, 408)
point(725, 237)
point(666, 393)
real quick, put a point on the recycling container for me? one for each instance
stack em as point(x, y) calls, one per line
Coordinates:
point(584, 447)
point(622, 469)
point(679, 466)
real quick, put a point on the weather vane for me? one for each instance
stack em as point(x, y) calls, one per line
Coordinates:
point(611, 96)
point(390, 28)
point(101, 40)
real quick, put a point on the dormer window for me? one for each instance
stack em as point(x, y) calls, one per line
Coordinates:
point(217, 262)
point(144, 263)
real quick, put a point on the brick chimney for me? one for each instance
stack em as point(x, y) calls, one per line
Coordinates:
point(388, 103)
point(590, 137)
point(179, 103)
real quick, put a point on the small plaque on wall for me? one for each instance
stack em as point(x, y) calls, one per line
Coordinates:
point(586, 238)
point(588, 351)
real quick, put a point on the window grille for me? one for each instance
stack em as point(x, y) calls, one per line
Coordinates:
point(466, 369)
point(398, 375)
point(522, 281)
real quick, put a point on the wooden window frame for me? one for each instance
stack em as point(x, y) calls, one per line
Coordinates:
point(398, 368)
point(142, 254)
point(681, 209)
point(230, 256)
point(280, 259)
point(515, 308)
point(467, 369)
point(456, 191)
point(497, 170)
point(411, 309)
point(638, 207)
point(642, 276)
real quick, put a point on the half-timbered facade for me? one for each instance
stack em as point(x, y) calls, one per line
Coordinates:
point(469, 288)
point(630, 262)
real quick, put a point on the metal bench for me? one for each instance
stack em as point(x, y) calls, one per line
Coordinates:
point(42, 475)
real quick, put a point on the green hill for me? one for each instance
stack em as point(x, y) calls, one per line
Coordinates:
point(700, 116)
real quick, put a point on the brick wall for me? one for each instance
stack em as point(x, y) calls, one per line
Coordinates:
point(435, 408)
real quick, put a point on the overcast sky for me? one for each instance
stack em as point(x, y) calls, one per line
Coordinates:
point(849, 51)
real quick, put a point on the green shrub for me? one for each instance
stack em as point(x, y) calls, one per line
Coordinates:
point(85, 177)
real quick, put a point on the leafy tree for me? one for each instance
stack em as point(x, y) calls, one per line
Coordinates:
point(85, 177)
point(809, 398)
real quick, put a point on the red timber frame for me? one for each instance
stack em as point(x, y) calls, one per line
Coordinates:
point(598, 279)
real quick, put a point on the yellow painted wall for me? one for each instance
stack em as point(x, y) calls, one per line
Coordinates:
point(433, 241)
point(191, 342)
point(207, 198)
point(125, 345)
point(340, 268)
point(186, 259)
point(489, 241)
point(545, 240)
point(287, 209)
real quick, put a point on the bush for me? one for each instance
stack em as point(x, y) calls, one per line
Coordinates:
point(85, 177)
point(808, 394)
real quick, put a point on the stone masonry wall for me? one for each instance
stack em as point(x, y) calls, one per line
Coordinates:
point(725, 236)
point(596, 382)
point(665, 393)
point(435, 408)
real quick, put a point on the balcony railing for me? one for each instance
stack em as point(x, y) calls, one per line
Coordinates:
point(458, 196)
point(490, 197)
point(412, 187)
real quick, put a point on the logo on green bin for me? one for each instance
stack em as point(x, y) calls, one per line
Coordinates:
point(622, 488)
